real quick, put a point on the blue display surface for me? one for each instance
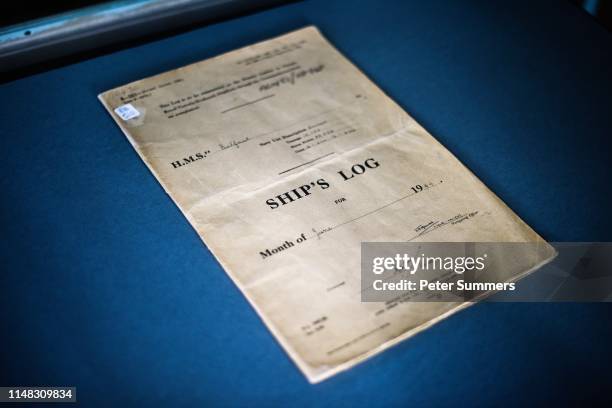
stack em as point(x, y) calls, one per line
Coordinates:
point(106, 287)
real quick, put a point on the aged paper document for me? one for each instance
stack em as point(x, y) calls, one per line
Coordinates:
point(285, 157)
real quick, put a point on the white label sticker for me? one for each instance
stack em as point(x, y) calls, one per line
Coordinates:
point(127, 112)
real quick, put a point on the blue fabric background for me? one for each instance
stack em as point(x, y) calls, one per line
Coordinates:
point(106, 287)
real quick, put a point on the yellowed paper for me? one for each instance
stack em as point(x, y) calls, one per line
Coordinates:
point(284, 157)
